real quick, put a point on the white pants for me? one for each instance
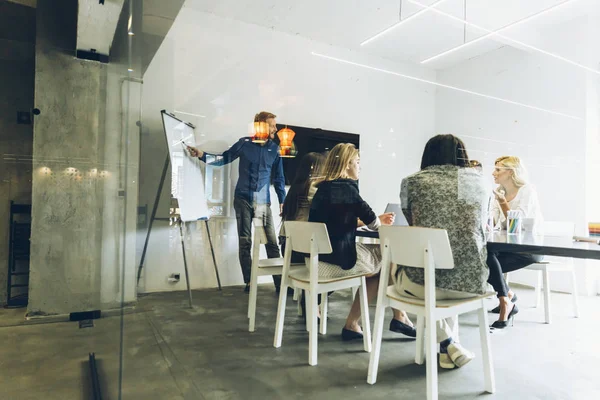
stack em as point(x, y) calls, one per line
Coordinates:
point(446, 328)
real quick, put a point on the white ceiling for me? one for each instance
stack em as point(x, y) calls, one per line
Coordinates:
point(347, 23)
point(96, 24)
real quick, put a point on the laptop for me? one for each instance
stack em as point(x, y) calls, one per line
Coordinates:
point(400, 219)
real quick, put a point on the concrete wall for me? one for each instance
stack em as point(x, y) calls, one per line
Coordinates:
point(66, 198)
point(85, 175)
point(85, 170)
point(17, 71)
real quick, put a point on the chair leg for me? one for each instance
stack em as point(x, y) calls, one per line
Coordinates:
point(252, 301)
point(574, 293)
point(307, 310)
point(431, 359)
point(538, 290)
point(547, 306)
point(323, 306)
point(364, 313)
point(376, 351)
point(280, 315)
point(312, 330)
point(420, 350)
point(486, 350)
point(296, 293)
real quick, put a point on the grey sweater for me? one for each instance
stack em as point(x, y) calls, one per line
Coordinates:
point(455, 199)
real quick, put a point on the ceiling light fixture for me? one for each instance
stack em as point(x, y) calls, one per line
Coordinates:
point(523, 20)
point(507, 38)
point(399, 23)
point(385, 71)
point(187, 113)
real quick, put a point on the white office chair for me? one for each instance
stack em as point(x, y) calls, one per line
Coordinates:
point(554, 264)
point(264, 267)
point(428, 249)
point(312, 238)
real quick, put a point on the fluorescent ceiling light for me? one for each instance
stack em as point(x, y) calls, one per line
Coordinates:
point(385, 71)
point(529, 18)
point(194, 115)
point(492, 33)
point(401, 22)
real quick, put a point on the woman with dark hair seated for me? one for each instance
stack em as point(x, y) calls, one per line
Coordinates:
point(448, 193)
point(296, 206)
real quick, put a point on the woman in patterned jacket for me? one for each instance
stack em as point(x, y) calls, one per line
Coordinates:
point(448, 193)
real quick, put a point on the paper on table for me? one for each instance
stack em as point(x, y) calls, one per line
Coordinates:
point(586, 239)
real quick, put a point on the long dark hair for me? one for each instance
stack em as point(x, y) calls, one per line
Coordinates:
point(444, 150)
point(308, 170)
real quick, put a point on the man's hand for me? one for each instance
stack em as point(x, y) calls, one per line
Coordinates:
point(387, 218)
point(281, 210)
point(194, 152)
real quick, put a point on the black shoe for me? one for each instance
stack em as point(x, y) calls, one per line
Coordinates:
point(247, 288)
point(400, 327)
point(350, 335)
point(511, 318)
point(497, 309)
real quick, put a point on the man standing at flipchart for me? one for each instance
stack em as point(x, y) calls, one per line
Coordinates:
point(260, 164)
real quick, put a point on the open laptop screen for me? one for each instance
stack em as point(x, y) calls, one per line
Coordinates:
point(400, 219)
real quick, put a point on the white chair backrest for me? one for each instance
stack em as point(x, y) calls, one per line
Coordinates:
point(407, 244)
point(259, 231)
point(559, 228)
point(301, 233)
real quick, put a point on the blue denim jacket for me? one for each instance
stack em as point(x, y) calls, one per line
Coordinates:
point(258, 166)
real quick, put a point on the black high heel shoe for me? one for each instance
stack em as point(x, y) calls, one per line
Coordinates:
point(511, 318)
point(497, 309)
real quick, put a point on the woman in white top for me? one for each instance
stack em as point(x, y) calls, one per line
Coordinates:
point(513, 193)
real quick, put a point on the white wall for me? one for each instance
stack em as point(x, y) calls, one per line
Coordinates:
point(227, 71)
point(552, 146)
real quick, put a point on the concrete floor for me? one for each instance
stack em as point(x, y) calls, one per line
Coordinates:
point(173, 352)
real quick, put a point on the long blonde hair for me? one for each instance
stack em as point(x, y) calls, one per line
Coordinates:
point(337, 161)
point(513, 163)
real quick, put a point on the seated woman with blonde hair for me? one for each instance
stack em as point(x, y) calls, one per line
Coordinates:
point(338, 204)
point(513, 193)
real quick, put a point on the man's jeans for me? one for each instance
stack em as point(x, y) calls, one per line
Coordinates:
point(244, 213)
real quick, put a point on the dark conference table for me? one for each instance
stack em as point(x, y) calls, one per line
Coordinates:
point(529, 243)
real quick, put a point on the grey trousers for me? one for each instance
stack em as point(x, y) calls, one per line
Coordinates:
point(244, 213)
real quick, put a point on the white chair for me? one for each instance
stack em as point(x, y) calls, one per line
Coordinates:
point(554, 264)
point(312, 238)
point(264, 267)
point(429, 249)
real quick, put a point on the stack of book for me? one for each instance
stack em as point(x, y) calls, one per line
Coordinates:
point(594, 228)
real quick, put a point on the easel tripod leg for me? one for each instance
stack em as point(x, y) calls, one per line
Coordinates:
point(187, 276)
point(212, 250)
